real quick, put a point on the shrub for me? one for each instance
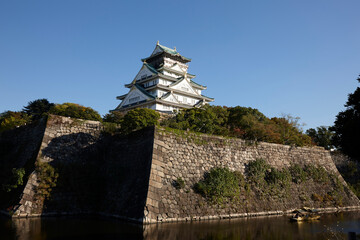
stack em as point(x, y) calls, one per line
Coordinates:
point(179, 183)
point(316, 197)
point(220, 184)
point(256, 171)
point(317, 173)
point(75, 111)
point(298, 174)
point(47, 176)
point(278, 177)
point(15, 180)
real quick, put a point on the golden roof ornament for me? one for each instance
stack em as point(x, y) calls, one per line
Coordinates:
point(158, 43)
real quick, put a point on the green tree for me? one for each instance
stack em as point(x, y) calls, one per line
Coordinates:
point(321, 136)
point(114, 117)
point(75, 111)
point(347, 126)
point(37, 108)
point(10, 120)
point(207, 119)
point(139, 118)
point(290, 131)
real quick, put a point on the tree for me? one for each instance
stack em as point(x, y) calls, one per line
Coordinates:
point(75, 111)
point(321, 136)
point(10, 120)
point(347, 126)
point(114, 117)
point(207, 119)
point(36, 109)
point(139, 118)
point(290, 131)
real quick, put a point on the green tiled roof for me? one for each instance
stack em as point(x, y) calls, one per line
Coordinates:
point(170, 51)
point(207, 97)
point(153, 70)
point(197, 84)
point(143, 90)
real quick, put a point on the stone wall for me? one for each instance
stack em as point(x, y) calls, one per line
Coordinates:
point(97, 173)
point(18, 149)
point(132, 177)
point(62, 138)
point(188, 156)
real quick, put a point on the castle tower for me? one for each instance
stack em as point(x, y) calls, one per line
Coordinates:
point(163, 84)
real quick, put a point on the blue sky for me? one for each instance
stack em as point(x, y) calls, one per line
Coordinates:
point(281, 56)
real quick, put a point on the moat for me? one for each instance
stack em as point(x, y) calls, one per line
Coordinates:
point(331, 226)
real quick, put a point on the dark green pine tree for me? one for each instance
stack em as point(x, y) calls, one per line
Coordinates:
point(37, 108)
point(347, 126)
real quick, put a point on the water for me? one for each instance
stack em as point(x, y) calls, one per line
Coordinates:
point(331, 226)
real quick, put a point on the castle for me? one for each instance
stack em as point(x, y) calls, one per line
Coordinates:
point(163, 84)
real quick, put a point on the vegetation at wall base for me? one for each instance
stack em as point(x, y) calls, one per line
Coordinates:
point(351, 174)
point(13, 181)
point(47, 176)
point(221, 185)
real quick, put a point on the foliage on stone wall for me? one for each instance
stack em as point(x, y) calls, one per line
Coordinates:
point(47, 176)
point(351, 173)
point(221, 185)
point(15, 180)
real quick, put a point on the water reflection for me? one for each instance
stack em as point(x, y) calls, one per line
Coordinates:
point(331, 226)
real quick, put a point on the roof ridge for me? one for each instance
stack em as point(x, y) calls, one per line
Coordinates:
point(143, 90)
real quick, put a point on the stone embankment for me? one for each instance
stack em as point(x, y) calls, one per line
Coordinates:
point(132, 177)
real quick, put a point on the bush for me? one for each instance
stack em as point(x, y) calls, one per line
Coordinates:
point(278, 177)
point(220, 184)
point(317, 173)
point(15, 180)
point(47, 176)
point(76, 111)
point(298, 173)
point(256, 171)
point(179, 183)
